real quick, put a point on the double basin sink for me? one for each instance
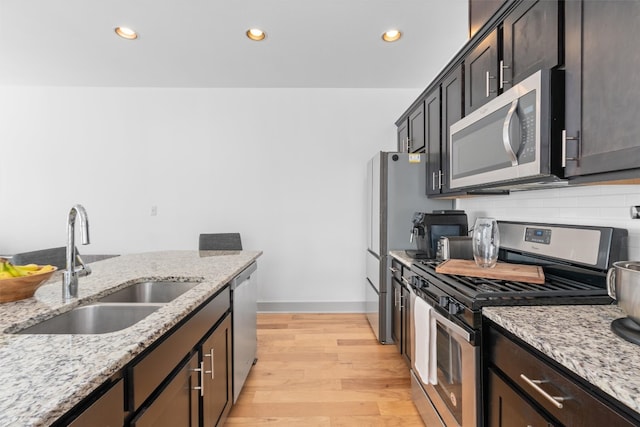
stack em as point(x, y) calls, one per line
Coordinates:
point(116, 311)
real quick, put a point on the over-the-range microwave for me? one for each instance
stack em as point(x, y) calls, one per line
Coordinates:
point(513, 141)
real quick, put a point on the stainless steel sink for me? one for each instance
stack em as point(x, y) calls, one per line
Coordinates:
point(150, 292)
point(94, 319)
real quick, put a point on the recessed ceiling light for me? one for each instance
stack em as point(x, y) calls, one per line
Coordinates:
point(126, 33)
point(256, 34)
point(392, 36)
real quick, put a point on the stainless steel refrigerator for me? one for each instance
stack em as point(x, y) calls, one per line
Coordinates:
point(396, 187)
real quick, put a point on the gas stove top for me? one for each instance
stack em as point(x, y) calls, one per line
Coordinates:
point(575, 260)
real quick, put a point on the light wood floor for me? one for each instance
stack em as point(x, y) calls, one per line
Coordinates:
point(324, 370)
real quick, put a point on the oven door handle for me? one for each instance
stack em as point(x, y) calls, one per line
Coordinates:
point(458, 330)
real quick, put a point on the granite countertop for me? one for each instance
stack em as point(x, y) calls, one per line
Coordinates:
point(579, 338)
point(402, 257)
point(43, 376)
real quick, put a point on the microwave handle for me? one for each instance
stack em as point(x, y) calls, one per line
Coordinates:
point(506, 133)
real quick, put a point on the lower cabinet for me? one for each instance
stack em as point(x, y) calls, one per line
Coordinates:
point(105, 411)
point(523, 387)
point(508, 408)
point(177, 404)
point(217, 375)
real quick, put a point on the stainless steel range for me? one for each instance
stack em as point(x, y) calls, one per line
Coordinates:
point(446, 365)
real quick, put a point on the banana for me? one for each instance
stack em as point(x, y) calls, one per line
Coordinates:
point(5, 275)
point(12, 270)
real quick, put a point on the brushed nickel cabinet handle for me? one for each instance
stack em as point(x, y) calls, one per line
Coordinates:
point(555, 400)
point(489, 77)
point(566, 138)
point(211, 355)
point(502, 80)
point(201, 370)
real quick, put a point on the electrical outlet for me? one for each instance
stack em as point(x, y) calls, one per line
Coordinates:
point(635, 212)
point(154, 210)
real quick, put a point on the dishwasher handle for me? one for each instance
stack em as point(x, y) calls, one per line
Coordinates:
point(244, 275)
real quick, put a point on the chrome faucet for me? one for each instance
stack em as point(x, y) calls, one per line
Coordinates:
point(71, 274)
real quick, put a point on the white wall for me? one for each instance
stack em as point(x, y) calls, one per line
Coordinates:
point(607, 205)
point(285, 167)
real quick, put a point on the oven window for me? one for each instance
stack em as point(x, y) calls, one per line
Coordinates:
point(449, 357)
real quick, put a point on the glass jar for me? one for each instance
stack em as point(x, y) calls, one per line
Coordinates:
point(486, 242)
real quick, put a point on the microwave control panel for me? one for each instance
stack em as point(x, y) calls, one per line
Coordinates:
point(527, 114)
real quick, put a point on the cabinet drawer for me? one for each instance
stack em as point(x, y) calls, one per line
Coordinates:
point(579, 406)
point(107, 411)
point(149, 372)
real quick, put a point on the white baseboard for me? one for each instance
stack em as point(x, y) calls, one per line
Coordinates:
point(311, 307)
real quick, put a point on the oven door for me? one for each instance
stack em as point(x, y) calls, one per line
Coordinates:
point(454, 393)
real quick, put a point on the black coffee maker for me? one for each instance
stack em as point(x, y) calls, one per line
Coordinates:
point(429, 227)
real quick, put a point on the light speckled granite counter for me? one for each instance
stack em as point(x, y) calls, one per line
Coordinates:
point(579, 338)
point(402, 257)
point(43, 376)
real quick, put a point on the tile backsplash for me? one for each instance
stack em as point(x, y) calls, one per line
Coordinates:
point(607, 205)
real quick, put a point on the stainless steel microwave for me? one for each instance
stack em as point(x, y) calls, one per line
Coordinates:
point(508, 141)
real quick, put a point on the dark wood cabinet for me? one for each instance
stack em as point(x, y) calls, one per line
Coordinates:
point(538, 385)
point(452, 111)
point(508, 408)
point(480, 11)
point(407, 333)
point(106, 411)
point(530, 41)
point(403, 136)
point(411, 131)
point(481, 73)
point(416, 130)
point(215, 354)
point(602, 89)
point(176, 405)
point(433, 141)
point(401, 317)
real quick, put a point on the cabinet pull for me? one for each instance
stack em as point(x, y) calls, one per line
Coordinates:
point(393, 269)
point(212, 356)
point(405, 281)
point(201, 370)
point(440, 175)
point(502, 80)
point(489, 77)
point(566, 138)
point(433, 181)
point(555, 400)
point(408, 145)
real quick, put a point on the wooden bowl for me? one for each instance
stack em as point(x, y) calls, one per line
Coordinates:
point(17, 288)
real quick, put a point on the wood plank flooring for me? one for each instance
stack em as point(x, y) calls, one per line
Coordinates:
point(324, 370)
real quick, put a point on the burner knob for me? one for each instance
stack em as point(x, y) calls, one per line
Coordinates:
point(444, 301)
point(455, 308)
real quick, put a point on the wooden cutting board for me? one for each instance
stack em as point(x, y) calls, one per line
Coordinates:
point(502, 271)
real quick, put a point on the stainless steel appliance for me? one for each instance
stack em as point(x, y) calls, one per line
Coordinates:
point(454, 247)
point(428, 228)
point(575, 260)
point(623, 284)
point(396, 188)
point(508, 141)
point(244, 300)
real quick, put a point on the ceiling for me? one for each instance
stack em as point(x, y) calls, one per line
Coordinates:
point(202, 43)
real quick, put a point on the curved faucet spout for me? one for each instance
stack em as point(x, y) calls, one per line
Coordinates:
point(71, 274)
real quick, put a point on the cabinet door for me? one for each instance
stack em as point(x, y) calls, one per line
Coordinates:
point(481, 70)
point(406, 325)
point(416, 130)
point(396, 319)
point(480, 11)
point(177, 404)
point(216, 358)
point(505, 407)
point(403, 136)
point(433, 141)
point(602, 86)
point(530, 40)
point(451, 112)
point(107, 411)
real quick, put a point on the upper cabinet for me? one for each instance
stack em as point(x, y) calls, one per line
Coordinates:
point(602, 90)
point(452, 111)
point(433, 141)
point(530, 41)
point(480, 11)
point(481, 68)
point(411, 131)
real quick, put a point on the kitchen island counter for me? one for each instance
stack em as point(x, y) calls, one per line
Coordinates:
point(44, 376)
point(579, 338)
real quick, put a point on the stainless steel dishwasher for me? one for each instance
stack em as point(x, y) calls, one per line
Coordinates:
point(244, 300)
